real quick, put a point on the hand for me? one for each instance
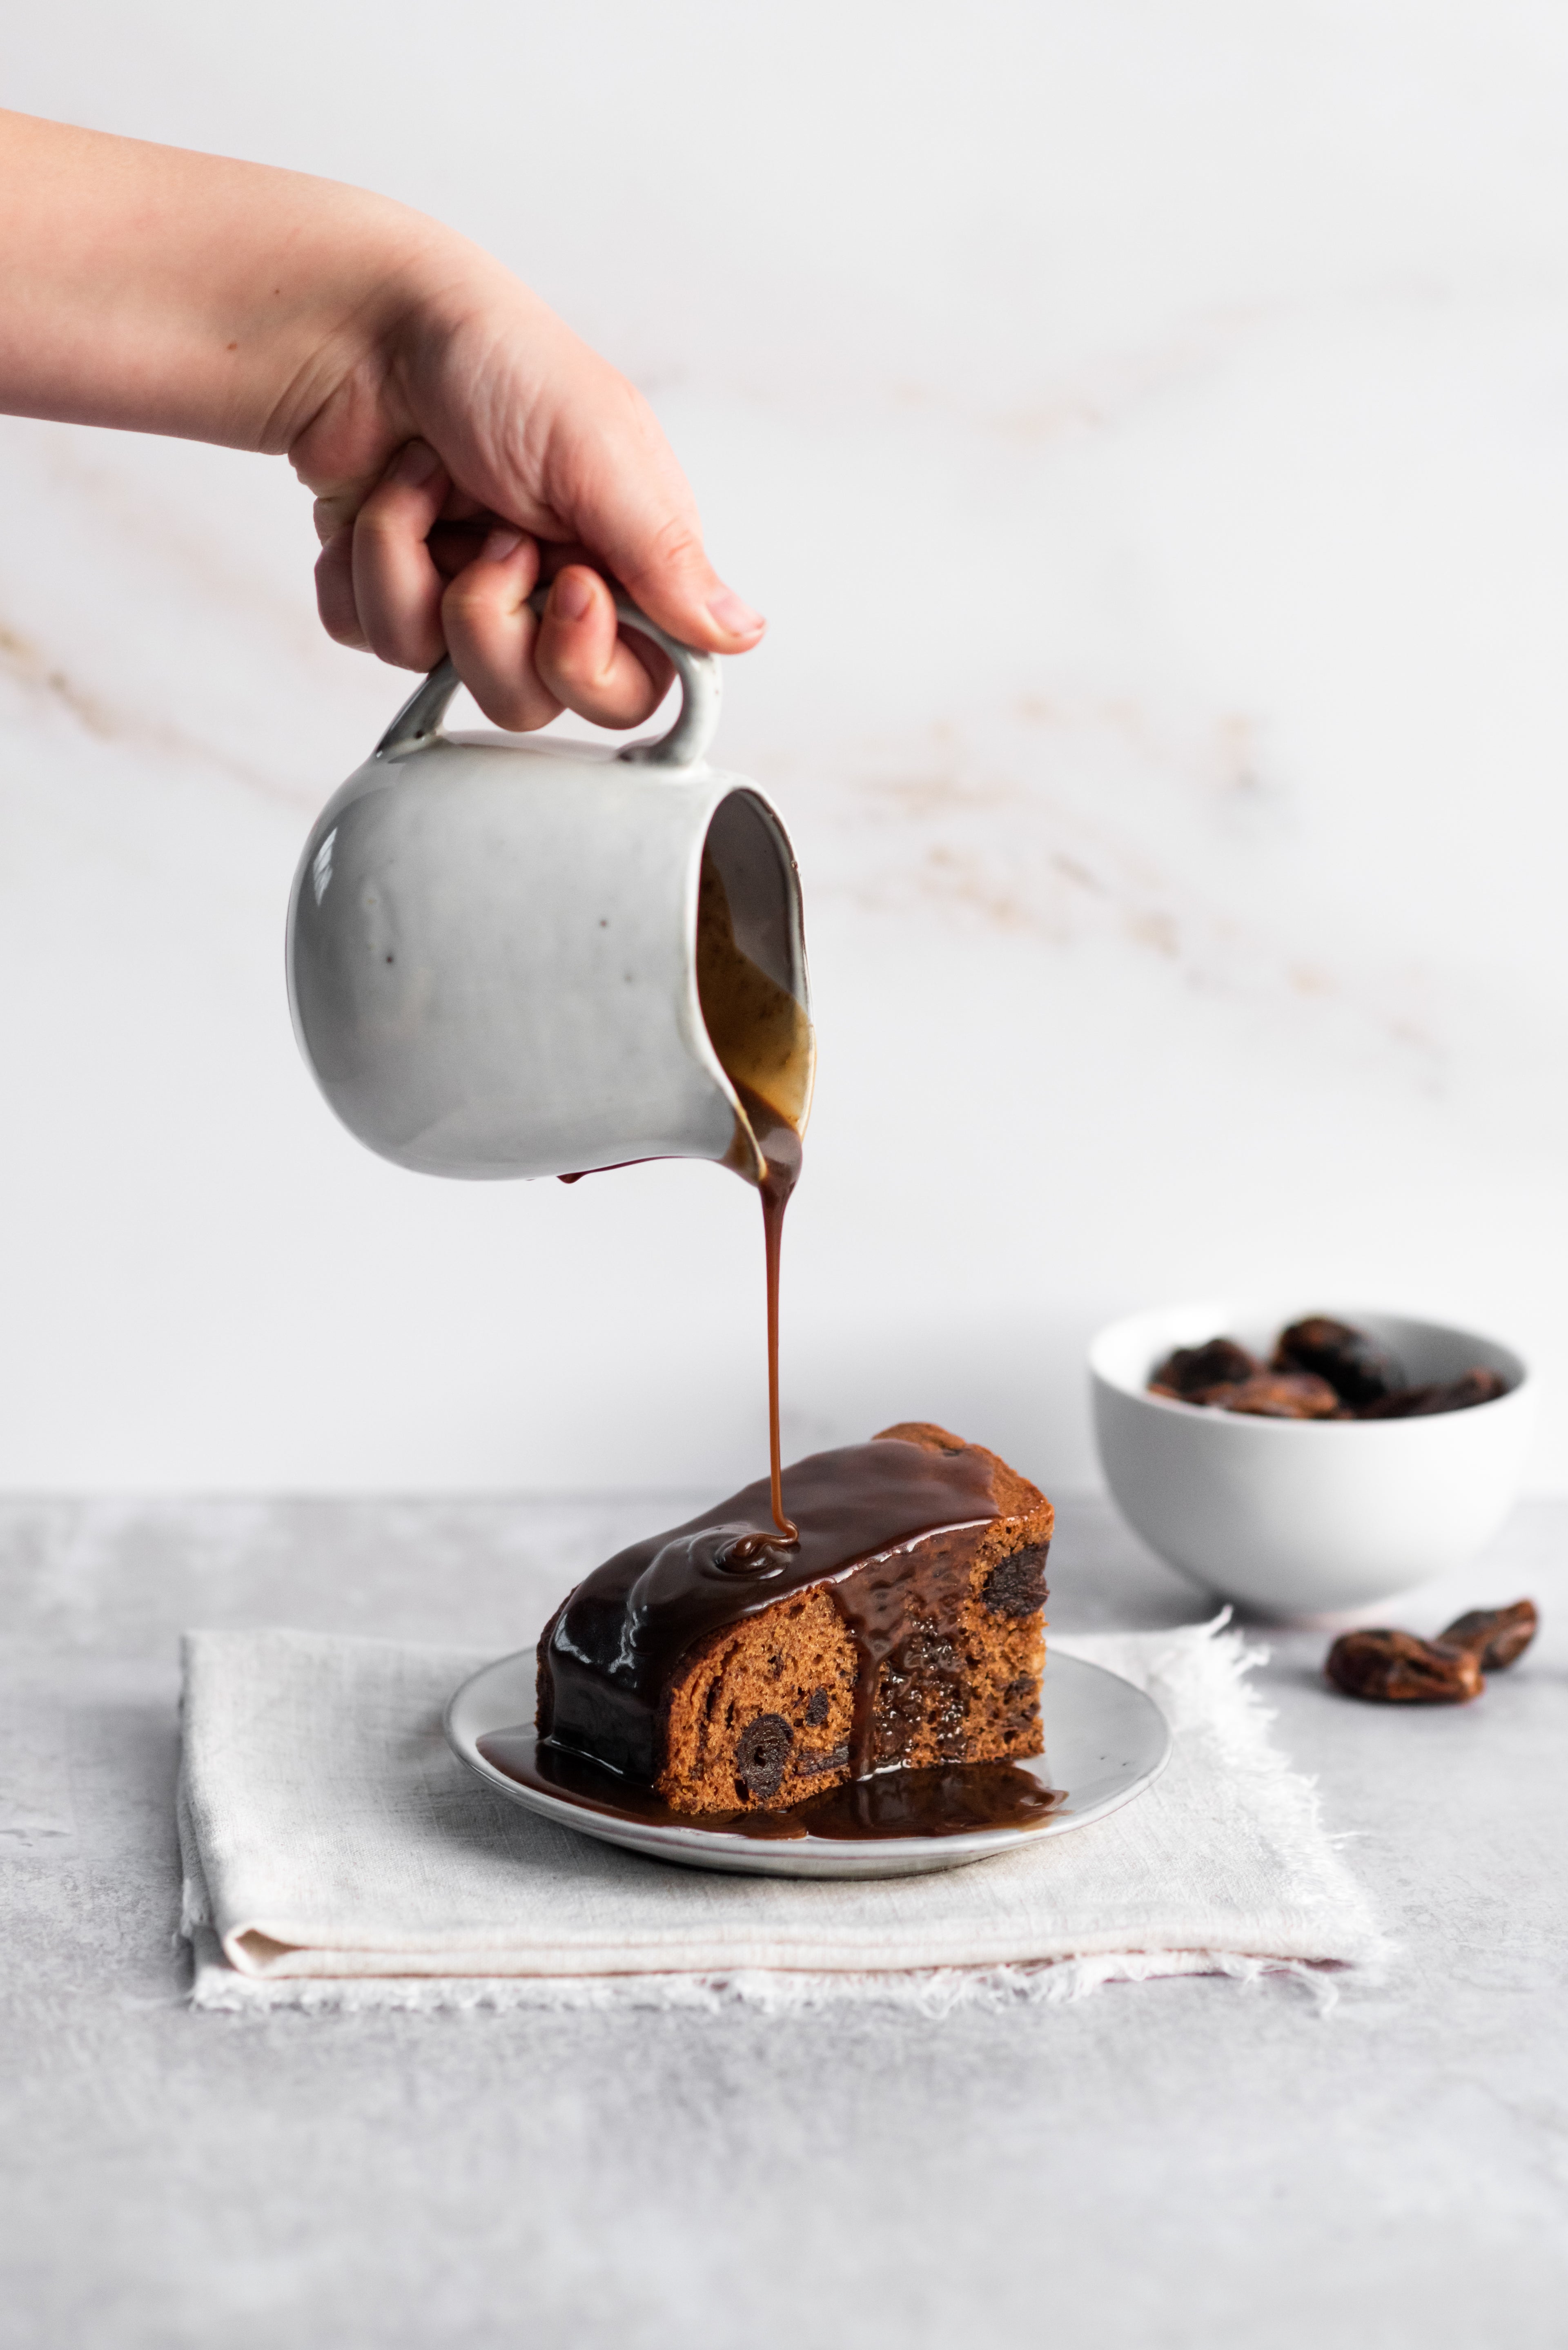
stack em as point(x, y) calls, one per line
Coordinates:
point(516, 454)
point(460, 441)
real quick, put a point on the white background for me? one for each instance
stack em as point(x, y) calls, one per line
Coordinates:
point(1146, 426)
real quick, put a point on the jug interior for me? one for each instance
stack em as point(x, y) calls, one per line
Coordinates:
point(751, 963)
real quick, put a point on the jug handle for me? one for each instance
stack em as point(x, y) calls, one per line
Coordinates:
point(419, 721)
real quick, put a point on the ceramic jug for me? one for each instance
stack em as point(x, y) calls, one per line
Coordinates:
point(510, 956)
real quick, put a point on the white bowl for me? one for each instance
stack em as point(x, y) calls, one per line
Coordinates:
point(1307, 1517)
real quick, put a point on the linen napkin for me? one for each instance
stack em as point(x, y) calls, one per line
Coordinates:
point(336, 1854)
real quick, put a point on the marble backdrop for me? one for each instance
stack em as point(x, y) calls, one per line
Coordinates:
point(1146, 425)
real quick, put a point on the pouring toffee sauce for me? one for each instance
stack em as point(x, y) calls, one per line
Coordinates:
point(782, 1151)
point(763, 1041)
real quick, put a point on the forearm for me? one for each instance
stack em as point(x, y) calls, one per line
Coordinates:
point(161, 291)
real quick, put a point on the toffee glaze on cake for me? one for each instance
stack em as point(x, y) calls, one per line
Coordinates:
point(902, 1630)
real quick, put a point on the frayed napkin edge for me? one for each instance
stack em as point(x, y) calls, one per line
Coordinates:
point(934, 1993)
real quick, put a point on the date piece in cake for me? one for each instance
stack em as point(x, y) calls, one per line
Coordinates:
point(904, 1629)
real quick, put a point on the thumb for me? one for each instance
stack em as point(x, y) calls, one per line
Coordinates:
point(669, 575)
point(634, 509)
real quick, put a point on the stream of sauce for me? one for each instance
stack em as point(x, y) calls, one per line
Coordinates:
point(763, 1037)
point(766, 1045)
point(781, 1147)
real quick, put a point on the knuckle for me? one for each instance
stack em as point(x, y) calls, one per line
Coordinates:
point(676, 546)
point(476, 603)
point(375, 523)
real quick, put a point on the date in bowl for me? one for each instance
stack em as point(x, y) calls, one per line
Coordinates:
point(1307, 1518)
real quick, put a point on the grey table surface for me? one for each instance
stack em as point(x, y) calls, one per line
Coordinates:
point(1186, 2162)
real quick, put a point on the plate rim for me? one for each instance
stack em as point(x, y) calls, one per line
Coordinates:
point(713, 1848)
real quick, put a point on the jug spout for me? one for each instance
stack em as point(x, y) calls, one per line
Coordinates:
point(751, 977)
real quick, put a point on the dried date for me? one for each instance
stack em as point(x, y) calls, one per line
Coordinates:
point(1321, 1370)
point(1356, 1365)
point(1190, 1371)
point(1479, 1386)
point(1496, 1637)
point(1279, 1395)
point(1397, 1668)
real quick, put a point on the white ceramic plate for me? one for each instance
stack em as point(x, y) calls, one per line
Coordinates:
point(1105, 1741)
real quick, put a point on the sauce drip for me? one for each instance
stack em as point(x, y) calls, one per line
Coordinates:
point(779, 1144)
point(763, 1040)
point(766, 1046)
point(945, 1800)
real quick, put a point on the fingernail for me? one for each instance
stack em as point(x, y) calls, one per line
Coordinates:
point(571, 596)
point(737, 618)
point(500, 544)
point(417, 463)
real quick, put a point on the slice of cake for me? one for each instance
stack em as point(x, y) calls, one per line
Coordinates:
point(903, 1628)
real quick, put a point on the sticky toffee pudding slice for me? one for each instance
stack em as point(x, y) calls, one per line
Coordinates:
point(903, 1628)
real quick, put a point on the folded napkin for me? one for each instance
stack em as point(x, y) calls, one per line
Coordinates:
point(336, 1854)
